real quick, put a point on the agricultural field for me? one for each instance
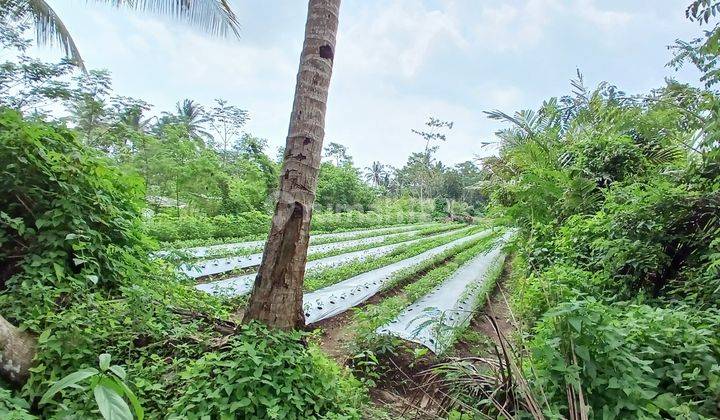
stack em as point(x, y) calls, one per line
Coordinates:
point(412, 288)
point(181, 255)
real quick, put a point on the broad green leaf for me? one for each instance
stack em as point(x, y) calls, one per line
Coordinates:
point(44, 336)
point(137, 408)
point(576, 323)
point(582, 352)
point(118, 371)
point(59, 270)
point(67, 381)
point(111, 404)
point(665, 401)
point(104, 361)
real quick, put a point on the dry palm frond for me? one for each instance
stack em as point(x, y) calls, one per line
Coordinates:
point(496, 382)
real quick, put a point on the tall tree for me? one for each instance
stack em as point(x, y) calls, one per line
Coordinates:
point(433, 133)
point(225, 121)
point(375, 173)
point(338, 152)
point(193, 118)
point(276, 299)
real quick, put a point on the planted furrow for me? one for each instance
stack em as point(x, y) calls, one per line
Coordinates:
point(337, 298)
point(222, 265)
point(434, 320)
point(205, 251)
point(240, 285)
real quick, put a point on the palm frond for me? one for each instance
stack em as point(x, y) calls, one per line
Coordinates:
point(50, 29)
point(517, 119)
point(659, 154)
point(215, 17)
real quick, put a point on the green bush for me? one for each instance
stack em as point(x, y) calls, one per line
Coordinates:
point(266, 375)
point(76, 272)
point(534, 294)
point(608, 158)
point(167, 228)
point(631, 361)
point(12, 407)
point(69, 221)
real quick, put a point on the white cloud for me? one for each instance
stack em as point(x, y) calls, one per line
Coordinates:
point(511, 27)
point(505, 98)
point(395, 37)
point(514, 26)
point(605, 20)
point(398, 61)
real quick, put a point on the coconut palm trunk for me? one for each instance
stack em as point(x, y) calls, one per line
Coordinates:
point(276, 299)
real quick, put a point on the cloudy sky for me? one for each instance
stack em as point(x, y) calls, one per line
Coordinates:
point(397, 62)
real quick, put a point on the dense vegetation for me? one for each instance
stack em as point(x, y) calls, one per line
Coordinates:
point(617, 275)
point(78, 275)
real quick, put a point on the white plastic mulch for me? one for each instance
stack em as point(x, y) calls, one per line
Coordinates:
point(432, 320)
point(240, 285)
point(221, 265)
point(202, 251)
point(340, 297)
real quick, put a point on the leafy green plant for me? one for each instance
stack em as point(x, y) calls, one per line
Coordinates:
point(266, 374)
point(629, 360)
point(108, 386)
point(366, 365)
point(13, 407)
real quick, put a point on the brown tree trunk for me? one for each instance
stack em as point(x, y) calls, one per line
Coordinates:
point(276, 299)
point(17, 350)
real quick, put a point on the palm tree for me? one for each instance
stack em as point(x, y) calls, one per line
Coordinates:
point(276, 299)
point(374, 173)
point(214, 16)
point(191, 115)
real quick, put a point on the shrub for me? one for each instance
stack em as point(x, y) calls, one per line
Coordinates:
point(261, 374)
point(76, 272)
point(253, 224)
point(167, 228)
point(608, 158)
point(535, 294)
point(69, 221)
point(12, 407)
point(631, 361)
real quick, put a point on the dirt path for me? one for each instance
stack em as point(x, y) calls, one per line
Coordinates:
point(337, 334)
